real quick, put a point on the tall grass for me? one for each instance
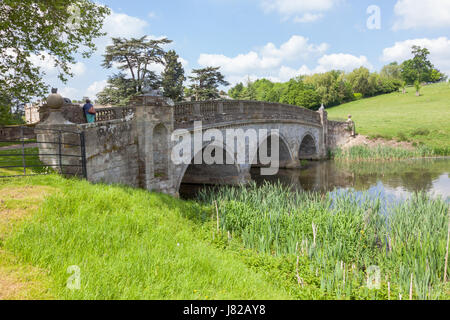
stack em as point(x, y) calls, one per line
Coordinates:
point(364, 153)
point(342, 235)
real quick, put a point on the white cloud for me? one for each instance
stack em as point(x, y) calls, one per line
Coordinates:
point(439, 52)
point(69, 92)
point(152, 15)
point(123, 25)
point(269, 57)
point(95, 88)
point(300, 10)
point(276, 64)
point(308, 17)
point(419, 13)
point(78, 69)
point(120, 25)
point(341, 61)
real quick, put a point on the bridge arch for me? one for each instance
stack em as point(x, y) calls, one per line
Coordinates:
point(220, 174)
point(284, 153)
point(309, 148)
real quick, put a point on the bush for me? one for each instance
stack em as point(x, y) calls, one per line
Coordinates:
point(358, 96)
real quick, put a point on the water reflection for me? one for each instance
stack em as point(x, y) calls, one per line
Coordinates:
point(391, 181)
point(396, 180)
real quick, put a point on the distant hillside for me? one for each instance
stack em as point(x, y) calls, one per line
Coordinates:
point(424, 119)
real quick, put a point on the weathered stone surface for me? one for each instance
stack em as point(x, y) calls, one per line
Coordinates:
point(133, 145)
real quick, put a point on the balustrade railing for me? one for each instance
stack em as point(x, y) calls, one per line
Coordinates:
point(214, 112)
point(224, 111)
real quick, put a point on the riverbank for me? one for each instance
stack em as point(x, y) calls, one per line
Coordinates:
point(132, 244)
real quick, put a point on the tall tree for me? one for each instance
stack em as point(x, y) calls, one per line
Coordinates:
point(205, 83)
point(392, 71)
point(136, 56)
point(359, 80)
point(419, 67)
point(118, 91)
point(173, 77)
point(30, 29)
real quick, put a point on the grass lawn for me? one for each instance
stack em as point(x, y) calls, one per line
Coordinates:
point(424, 119)
point(128, 244)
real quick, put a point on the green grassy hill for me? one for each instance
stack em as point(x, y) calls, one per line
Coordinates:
point(424, 119)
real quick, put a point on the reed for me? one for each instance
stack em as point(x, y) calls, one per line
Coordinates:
point(343, 229)
point(364, 153)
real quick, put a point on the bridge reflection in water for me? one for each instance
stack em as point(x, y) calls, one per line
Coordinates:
point(396, 179)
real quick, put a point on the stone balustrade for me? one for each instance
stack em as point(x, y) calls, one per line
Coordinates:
point(113, 113)
point(216, 112)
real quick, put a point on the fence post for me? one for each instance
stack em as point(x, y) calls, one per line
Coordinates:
point(23, 151)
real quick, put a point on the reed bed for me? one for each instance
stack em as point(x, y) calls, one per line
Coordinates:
point(347, 238)
point(364, 153)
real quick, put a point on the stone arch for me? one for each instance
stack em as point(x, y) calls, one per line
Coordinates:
point(220, 174)
point(285, 154)
point(160, 142)
point(308, 147)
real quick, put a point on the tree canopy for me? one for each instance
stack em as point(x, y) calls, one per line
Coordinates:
point(58, 29)
point(173, 77)
point(330, 88)
point(136, 56)
point(205, 83)
point(420, 68)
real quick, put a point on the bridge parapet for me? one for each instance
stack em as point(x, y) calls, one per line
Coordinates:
point(216, 112)
point(114, 113)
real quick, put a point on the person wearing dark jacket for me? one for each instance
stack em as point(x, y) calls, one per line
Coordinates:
point(89, 111)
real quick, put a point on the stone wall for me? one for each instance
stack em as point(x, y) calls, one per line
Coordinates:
point(339, 134)
point(112, 152)
point(14, 133)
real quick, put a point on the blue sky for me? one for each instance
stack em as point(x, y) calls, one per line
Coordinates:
point(275, 39)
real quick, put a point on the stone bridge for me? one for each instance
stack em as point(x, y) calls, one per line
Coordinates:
point(133, 145)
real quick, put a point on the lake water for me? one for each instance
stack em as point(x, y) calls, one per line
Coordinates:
point(394, 180)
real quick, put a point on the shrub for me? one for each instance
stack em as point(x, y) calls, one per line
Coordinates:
point(358, 96)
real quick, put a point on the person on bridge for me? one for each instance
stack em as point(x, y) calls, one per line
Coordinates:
point(89, 111)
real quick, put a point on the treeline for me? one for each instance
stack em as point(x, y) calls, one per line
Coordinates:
point(336, 87)
point(330, 88)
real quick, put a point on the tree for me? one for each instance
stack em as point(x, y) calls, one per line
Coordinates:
point(32, 30)
point(418, 68)
point(436, 76)
point(403, 86)
point(173, 77)
point(136, 56)
point(391, 71)
point(237, 92)
point(417, 86)
point(118, 92)
point(205, 83)
point(359, 80)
